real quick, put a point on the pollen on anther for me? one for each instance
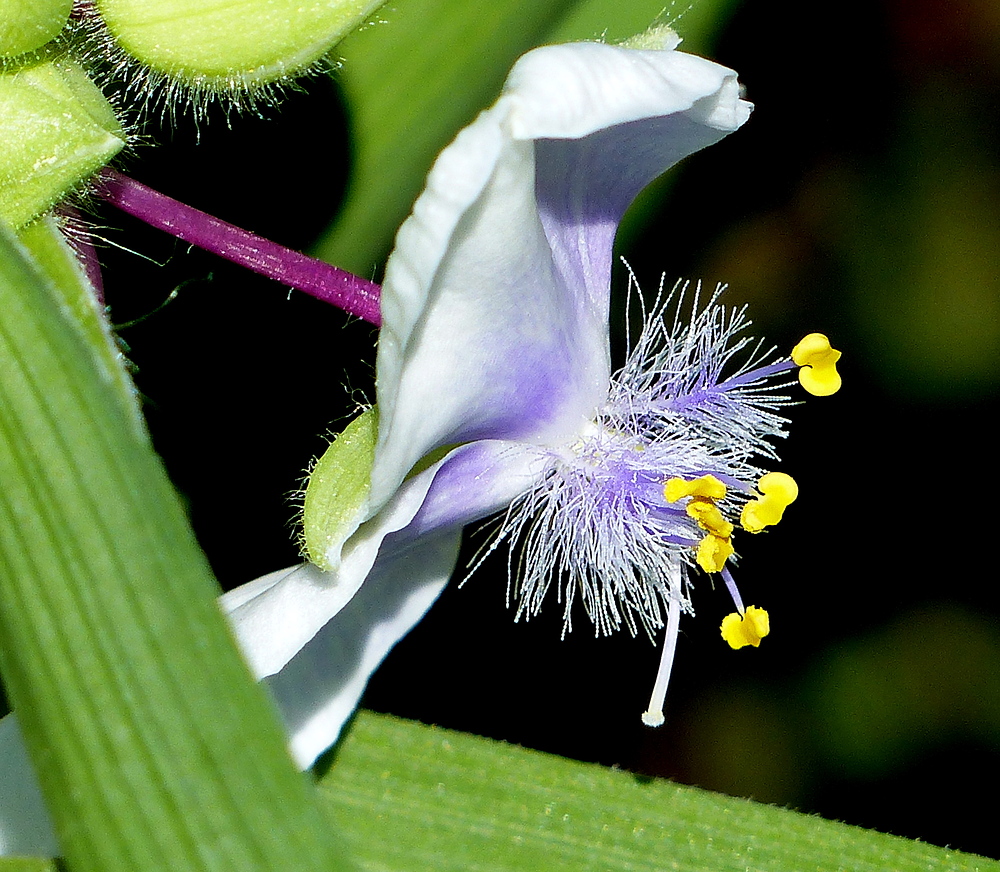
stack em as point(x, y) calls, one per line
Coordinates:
point(778, 490)
point(707, 486)
point(746, 629)
point(818, 361)
point(713, 552)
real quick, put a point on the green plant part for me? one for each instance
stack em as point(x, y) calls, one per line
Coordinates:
point(57, 129)
point(28, 24)
point(209, 44)
point(337, 492)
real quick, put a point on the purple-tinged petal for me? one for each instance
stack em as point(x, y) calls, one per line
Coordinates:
point(607, 121)
point(481, 339)
point(496, 296)
point(319, 688)
point(275, 616)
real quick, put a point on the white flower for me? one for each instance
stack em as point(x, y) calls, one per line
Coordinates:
point(495, 339)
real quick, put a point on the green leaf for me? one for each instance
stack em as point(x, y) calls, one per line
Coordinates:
point(457, 802)
point(411, 82)
point(154, 748)
point(27, 864)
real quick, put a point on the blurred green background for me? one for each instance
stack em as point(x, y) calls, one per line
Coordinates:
point(862, 200)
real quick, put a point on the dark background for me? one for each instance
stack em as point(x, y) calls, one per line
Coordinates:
point(860, 200)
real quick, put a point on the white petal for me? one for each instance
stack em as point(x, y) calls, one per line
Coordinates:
point(319, 688)
point(632, 115)
point(495, 298)
point(275, 616)
point(25, 825)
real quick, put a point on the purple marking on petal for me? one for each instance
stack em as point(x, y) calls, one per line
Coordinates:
point(349, 292)
point(585, 185)
point(475, 481)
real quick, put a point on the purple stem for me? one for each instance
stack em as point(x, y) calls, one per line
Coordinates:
point(314, 277)
point(83, 247)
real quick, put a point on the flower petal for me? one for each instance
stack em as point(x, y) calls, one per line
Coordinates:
point(275, 616)
point(318, 690)
point(25, 825)
point(494, 304)
point(607, 121)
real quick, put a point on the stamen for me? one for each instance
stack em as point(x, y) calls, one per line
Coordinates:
point(746, 629)
point(778, 491)
point(707, 486)
point(713, 552)
point(653, 716)
point(818, 360)
point(715, 549)
point(734, 591)
point(345, 290)
point(708, 516)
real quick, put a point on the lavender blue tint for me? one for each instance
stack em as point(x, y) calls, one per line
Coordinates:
point(582, 194)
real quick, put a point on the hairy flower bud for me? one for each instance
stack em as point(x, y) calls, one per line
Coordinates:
point(57, 129)
point(207, 43)
point(28, 24)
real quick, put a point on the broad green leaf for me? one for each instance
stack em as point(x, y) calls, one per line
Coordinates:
point(455, 802)
point(27, 864)
point(154, 748)
point(411, 82)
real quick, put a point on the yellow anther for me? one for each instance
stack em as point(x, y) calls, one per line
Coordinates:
point(818, 362)
point(706, 486)
point(778, 491)
point(746, 629)
point(713, 552)
point(708, 516)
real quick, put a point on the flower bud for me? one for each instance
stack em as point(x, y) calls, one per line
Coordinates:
point(57, 129)
point(230, 42)
point(28, 24)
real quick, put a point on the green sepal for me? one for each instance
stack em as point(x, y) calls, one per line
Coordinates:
point(26, 25)
point(337, 492)
point(231, 43)
point(57, 129)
